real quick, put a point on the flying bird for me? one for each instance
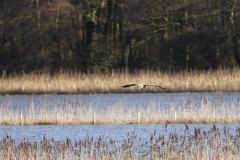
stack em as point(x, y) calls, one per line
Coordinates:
point(142, 85)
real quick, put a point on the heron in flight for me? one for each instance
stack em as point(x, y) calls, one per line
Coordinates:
point(142, 85)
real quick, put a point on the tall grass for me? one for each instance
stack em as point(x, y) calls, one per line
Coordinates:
point(203, 145)
point(68, 112)
point(75, 82)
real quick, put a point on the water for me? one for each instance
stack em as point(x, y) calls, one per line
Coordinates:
point(164, 99)
point(110, 131)
point(117, 132)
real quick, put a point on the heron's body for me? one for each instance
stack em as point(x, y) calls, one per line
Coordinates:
point(142, 85)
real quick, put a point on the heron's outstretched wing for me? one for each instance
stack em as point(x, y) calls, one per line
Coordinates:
point(155, 85)
point(161, 87)
point(129, 85)
point(142, 85)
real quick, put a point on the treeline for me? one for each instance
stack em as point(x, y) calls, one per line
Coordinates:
point(50, 35)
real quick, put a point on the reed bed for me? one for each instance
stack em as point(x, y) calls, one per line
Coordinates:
point(200, 110)
point(75, 82)
point(203, 145)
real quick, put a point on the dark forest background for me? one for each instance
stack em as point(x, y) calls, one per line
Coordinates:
point(82, 35)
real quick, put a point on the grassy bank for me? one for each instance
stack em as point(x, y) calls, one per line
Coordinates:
point(74, 82)
point(112, 112)
point(202, 145)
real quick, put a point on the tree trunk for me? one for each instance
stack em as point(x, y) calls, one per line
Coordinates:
point(234, 39)
point(42, 54)
point(186, 25)
point(123, 39)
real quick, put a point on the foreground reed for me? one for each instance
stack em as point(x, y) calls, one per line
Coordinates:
point(75, 82)
point(200, 110)
point(204, 145)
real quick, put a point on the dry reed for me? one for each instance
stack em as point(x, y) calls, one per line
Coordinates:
point(75, 82)
point(80, 112)
point(203, 145)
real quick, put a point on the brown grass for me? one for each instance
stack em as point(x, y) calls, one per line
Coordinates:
point(205, 111)
point(203, 145)
point(74, 82)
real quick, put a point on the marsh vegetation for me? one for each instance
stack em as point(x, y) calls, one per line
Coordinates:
point(192, 109)
point(220, 80)
point(211, 144)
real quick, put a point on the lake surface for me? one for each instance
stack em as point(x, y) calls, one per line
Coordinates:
point(97, 100)
point(111, 131)
point(117, 132)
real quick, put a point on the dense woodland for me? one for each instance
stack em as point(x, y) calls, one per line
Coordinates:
point(85, 35)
